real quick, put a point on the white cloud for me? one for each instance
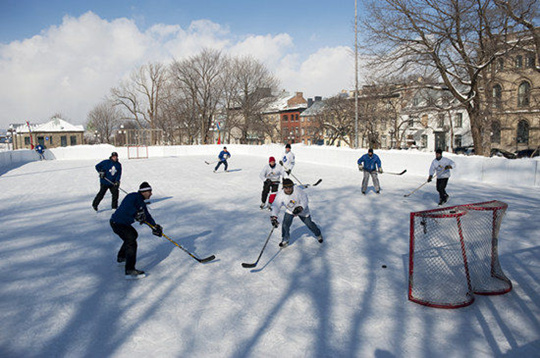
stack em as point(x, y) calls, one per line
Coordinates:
point(71, 67)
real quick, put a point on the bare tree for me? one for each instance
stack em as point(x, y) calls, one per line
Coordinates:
point(142, 95)
point(198, 78)
point(103, 119)
point(456, 39)
point(337, 119)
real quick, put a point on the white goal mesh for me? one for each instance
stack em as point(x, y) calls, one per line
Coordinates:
point(137, 151)
point(453, 254)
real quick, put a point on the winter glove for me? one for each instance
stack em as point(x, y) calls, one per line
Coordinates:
point(448, 167)
point(117, 184)
point(288, 172)
point(157, 230)
point(102, 175)
point(274, 221)
point(380, 170)
point(140, 216)
point(297, 210)
point(267, 182)
point(281, 162)
point(429, 178)
point(360, 167)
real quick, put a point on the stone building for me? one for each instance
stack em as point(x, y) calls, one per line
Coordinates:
point(55, 133)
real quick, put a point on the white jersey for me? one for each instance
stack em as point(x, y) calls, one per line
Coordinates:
point(437, 166)
point(274, 174)
point(297, 198)
point(288, 160)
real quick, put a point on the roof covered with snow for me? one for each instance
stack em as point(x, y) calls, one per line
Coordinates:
point(54, 125)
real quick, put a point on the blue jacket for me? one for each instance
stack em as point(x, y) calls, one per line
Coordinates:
point(370, 164)
point(112, 169)
point(128, 209)
point(39, 149)
point(223, 156)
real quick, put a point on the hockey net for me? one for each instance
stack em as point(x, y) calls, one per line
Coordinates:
point(454, 255)
point(137, 151)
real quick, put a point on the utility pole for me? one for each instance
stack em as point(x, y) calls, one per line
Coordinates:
point(356, 73)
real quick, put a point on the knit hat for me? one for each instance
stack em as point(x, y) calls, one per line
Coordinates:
point(272, 159)
point(288, 146)
point(370, 150)
point(287, 183)
point(114, 154)
point(144, 187)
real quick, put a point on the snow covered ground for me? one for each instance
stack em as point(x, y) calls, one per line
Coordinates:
point(63, 295)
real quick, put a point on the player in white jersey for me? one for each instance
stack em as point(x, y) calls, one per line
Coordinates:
point(441, 166)
point(287, 160)
point(271, 174)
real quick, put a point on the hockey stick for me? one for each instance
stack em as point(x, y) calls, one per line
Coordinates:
point(212, 162)
point(403, 172)
point(256, 262)
point(306, 185)
point(125, 192)
point(209, 258)
point(412, 192)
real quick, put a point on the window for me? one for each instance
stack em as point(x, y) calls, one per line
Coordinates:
point(519, 61)
point(523, 132)
point(457, 140)
point(423, 140)
point(524, 93)
point(411, 121)
point(63, 141)
point(458, 120)
point(500, 64)
point(303, 131)
point(285, 118)
point(495, 132)
point(496, 93)
point(26, 140)
point(531, 62)
point(73, 140)
point(415, 101)
point(440, 121)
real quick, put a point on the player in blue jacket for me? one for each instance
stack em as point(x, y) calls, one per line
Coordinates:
point(223, 156)
point(370, 164)
point(133, 208)
point(41, 151)
point(110, 172)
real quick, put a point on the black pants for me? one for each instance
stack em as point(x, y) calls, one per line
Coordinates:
point(102, 190)
point(128, 250)
point(221, 162)
point(266, 189)
point(441, 186)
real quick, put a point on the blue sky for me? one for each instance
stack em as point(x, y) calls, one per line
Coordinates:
point(60, 56)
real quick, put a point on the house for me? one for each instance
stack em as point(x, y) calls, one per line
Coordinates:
point(311, 131)
point(55, 133)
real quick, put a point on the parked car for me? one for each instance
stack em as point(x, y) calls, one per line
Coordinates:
point(528, 153)
point(496, 152)
point(464, 150)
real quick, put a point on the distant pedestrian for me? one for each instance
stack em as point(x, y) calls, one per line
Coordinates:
point(110, 172)
point(295, 201)
point(133, 208)
point(370, 164)
point(41, 151)
point(287, 160)
point(271, 174)
point(223, 156)
point(441, 167)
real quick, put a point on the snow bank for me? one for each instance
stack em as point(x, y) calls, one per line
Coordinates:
point(500, 171)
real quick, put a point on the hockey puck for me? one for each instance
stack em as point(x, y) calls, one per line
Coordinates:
point(383, 266)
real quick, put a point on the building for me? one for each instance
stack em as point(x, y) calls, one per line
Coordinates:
point(311, 131)
point(55, 133)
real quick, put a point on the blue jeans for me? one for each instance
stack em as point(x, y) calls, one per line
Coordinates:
point(221, 162)
point(286, 225)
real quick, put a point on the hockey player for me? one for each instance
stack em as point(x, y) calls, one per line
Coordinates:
point(270, 175)
point(441, 165)
point(295, 201)
point(40, 150)
point(133, 208)
point(223, 156)
point(110, 172)
point(370, 164)
point(288, 160)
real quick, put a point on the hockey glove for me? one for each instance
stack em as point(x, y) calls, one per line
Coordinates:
point(157, 230)
point(281, 162)
point(297, 210)
point(429, 178)
point(448, 167)
point(117, 184)
point(102, 175)
point(140, 216)
point(274, 221)
point(267, 182)
point(288, 172)
point(360, 167)
point(380, 170)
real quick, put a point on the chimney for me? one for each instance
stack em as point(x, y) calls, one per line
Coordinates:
point(309, 102)
point(318, 98)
